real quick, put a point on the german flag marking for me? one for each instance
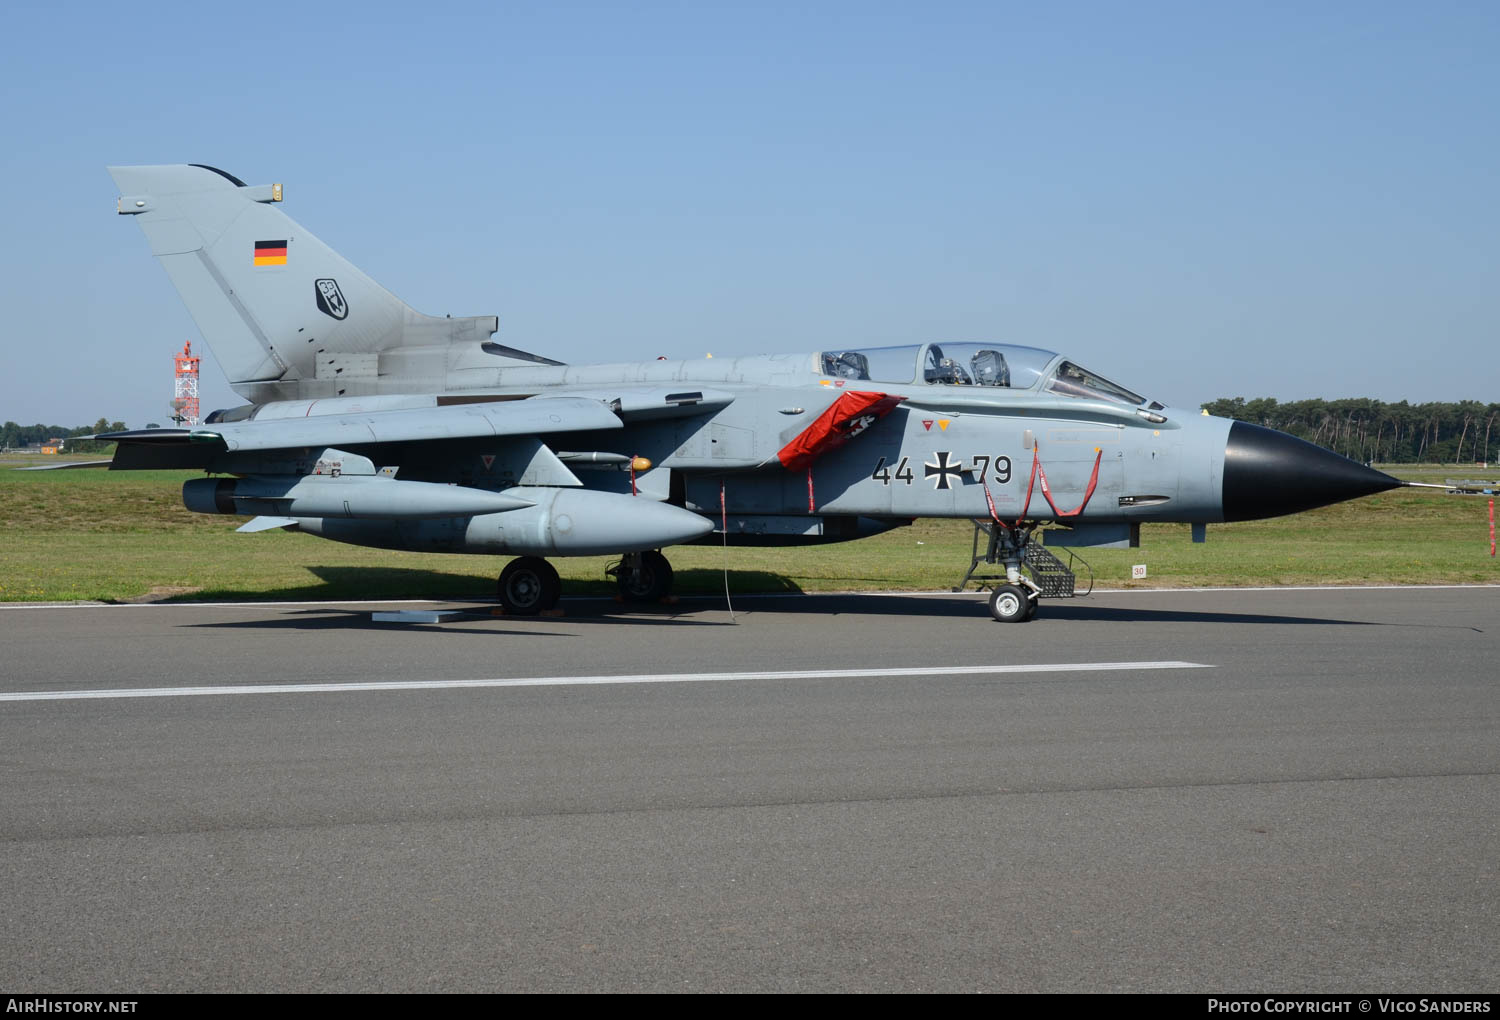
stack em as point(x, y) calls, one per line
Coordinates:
point(270, 253)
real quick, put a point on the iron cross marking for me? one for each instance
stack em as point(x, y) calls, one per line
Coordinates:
point(942, 469)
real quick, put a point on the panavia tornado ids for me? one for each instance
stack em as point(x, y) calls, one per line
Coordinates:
point(371, 423)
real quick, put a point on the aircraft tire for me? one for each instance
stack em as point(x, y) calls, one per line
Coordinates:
point(529, 585)
point(1010, 603)
point(651, 581)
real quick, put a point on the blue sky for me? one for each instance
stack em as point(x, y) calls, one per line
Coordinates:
point(1196, 199)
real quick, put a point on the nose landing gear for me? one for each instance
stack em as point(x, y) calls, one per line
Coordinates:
point(1030, 572)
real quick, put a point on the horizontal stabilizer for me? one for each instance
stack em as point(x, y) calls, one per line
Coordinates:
point(67, 464)
point(538, 416)
point(164, 437)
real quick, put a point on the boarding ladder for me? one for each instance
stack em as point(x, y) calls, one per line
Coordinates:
point(1054, 579)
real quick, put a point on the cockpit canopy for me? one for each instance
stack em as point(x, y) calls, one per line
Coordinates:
point(971, 364)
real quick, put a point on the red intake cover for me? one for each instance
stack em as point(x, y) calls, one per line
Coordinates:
point(846, 417)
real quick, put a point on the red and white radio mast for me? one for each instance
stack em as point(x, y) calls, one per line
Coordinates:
point(185, 393)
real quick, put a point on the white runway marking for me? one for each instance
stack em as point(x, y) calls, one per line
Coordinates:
point(565, 681)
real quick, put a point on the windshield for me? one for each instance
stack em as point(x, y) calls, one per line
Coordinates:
point(1072, 381)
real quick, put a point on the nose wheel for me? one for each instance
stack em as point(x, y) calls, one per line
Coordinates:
point(1011, 603)
point(529, 586)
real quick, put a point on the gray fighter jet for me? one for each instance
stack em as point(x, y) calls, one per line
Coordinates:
point(374, 424)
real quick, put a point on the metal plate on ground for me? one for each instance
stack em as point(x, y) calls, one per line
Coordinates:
point(415, 616)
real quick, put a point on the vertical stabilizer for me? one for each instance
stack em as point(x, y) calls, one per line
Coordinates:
point(272, 300)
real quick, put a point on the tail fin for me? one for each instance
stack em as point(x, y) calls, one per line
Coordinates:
point(273, 301)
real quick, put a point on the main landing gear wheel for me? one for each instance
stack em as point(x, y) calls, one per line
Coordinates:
point(645, 577)
point(1010, 603)
point(528, 586)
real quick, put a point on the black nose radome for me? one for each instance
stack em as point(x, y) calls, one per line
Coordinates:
point(1269, 473)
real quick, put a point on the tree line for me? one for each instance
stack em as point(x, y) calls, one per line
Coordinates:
point(1372, 430)
point(16, 436)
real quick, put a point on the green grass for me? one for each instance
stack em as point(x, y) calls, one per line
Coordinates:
point(102, 535)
